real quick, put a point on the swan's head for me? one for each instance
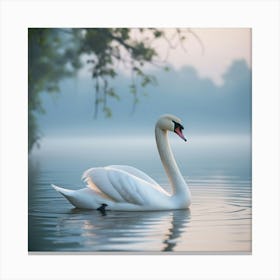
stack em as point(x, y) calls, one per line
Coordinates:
point(171, 123)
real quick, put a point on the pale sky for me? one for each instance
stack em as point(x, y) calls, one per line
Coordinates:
point(220, 47)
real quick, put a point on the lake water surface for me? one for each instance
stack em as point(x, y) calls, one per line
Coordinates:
point(217, 169)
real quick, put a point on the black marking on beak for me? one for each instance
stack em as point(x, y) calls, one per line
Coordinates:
point(177, 125)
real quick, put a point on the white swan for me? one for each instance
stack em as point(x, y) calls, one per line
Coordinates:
point(125, 188)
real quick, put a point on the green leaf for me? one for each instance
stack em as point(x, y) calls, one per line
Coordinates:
point(107, 111)
point(158, 33)
point(111, 92)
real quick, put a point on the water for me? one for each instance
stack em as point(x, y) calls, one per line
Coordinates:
point(217, 169)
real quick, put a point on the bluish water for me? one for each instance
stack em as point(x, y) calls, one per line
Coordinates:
point(217, 169)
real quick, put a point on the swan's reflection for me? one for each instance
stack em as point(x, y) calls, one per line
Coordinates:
point(178, 224)
point(126, 231)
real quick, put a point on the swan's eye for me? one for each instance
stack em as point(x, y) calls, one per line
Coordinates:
point(177, 126)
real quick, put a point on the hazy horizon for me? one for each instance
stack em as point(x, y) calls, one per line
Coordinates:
point(204, 107)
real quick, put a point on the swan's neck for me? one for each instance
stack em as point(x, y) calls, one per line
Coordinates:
point(175, 177)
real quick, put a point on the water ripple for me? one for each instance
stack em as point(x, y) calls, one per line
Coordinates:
point(219, 220)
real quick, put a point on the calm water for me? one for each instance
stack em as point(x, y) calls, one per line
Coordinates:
point(217, 169)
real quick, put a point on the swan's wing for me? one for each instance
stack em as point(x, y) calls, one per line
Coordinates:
point(134, 189)
point(121, 186)
point(134, 171)
point(97, 179)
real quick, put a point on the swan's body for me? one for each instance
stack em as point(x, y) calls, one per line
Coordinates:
point(125, 188)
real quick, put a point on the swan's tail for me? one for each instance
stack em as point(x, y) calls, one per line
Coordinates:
point(82, 198)
point(65, 192)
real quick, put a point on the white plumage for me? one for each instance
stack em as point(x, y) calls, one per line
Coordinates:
point(125, 188)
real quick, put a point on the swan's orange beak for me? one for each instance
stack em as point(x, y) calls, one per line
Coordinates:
point(178, 130)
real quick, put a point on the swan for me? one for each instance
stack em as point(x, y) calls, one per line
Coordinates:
point(125, 188)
